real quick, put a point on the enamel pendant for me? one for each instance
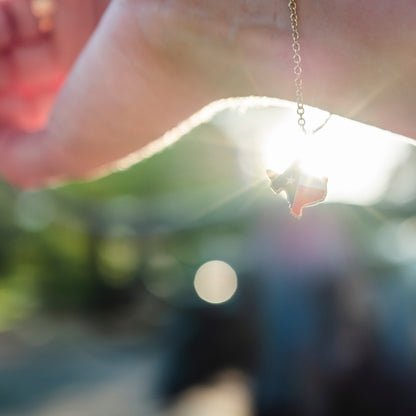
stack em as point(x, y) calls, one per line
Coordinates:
point(301, 189)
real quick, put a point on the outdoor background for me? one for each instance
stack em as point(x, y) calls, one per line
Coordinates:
point(98, 309)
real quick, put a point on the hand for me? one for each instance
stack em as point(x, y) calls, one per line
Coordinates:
point(152, 63)
point(32, 65)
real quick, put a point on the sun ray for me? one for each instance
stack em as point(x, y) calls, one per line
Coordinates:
point(259, 184)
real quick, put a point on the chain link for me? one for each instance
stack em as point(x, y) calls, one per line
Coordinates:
point(297, 70)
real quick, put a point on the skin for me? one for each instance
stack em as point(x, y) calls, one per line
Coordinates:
point(152, 63)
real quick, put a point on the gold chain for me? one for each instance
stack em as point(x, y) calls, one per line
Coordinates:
point(297, 70)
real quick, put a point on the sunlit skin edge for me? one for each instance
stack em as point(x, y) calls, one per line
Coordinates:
point(242, 104)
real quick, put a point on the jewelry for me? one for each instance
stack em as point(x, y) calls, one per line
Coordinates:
point(43, 10)
point(301, 189)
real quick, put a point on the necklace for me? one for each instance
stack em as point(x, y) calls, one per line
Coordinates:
point(301, 189)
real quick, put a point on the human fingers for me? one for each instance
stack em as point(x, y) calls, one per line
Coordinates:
point(34, 63)
point(5, 33)
point(22, 22)
point(28, 73)
point(26, 113)
point(74, 22)
point(120, 96)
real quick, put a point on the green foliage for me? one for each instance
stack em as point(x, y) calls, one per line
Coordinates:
point(78, 245)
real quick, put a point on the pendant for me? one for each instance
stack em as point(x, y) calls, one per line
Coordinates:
point(301, 189)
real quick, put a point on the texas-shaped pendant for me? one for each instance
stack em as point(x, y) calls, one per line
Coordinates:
point(301, 189)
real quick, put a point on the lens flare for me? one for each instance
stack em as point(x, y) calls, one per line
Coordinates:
point(215, 282)
point(357, 159)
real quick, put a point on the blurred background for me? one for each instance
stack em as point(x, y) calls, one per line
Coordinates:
point(183, 286)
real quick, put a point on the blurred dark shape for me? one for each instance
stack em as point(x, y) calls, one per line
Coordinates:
point(320, 339)
point(208, 339)
point(373, 387)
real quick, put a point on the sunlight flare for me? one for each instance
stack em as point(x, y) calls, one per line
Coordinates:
point(357, 159)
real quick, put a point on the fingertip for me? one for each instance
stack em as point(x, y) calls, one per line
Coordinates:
point(5, 76)
point(5, 33)
point(24, 22)
point(26, 113)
